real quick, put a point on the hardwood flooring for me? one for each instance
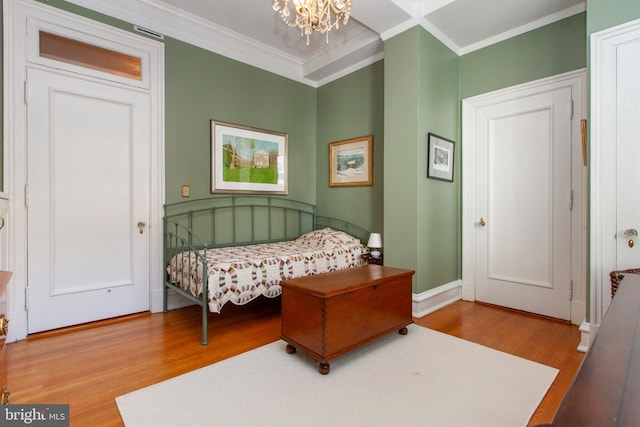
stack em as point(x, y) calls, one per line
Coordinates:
point(88, 366)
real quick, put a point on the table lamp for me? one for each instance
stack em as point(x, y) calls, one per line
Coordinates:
point(375, 243)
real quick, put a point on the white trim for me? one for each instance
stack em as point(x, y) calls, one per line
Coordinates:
point(604, 45)
point(442, 37)
point(577, 81)
point(588, 333)
point(434, 299)
point(15, 60)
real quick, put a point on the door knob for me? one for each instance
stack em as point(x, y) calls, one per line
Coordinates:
point(141, 226)
point(482, 222)
point(630, 233)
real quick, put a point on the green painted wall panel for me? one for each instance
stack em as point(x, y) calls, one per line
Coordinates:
point(421, 215)
point(401, 73)
point(439, 209)
point(201, 86)
point(553, 49)
point(351, 107)
point(604, 14)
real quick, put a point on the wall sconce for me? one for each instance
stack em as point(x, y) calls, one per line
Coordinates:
point(375, 243)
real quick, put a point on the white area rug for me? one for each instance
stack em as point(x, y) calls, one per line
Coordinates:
point(425, 378)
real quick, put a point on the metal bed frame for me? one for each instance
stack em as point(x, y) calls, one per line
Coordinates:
point(233, 220)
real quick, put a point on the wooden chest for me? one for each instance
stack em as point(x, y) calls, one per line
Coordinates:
point(329, 314)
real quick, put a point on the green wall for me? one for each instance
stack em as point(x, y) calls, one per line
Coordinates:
point(553, 49)
point(201, 86)
point(421, 228)
point(604, 14)
point(351, 107)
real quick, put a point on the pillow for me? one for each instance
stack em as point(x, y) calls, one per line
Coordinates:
point(328, 238)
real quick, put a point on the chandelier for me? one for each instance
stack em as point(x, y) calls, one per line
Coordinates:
point(314, 15)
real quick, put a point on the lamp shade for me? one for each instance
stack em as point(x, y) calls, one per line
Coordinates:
point(375, 241)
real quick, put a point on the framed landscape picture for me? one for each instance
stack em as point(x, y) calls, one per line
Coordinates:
point(440, 158)
point(247, 160)
point(351, 162)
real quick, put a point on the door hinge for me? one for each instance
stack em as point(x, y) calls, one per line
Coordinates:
point(571, 290)
point(571, 200)
point(572, 109)
point(26, 195)
point(26, 92)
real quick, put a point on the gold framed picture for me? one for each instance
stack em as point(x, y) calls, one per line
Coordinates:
point(351, 162)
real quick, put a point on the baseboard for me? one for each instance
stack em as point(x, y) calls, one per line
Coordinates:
point(587, 335)
point(175, 300)
point(436, 298)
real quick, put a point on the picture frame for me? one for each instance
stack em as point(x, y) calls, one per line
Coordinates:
point(440, 157)
point(351, 162)
point(247, 160)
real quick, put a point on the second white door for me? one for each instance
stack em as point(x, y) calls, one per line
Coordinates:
point(523, 203)
point(88, 200)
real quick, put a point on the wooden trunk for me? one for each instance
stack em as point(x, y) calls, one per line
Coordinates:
point(329, 314)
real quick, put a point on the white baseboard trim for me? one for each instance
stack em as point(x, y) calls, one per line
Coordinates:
point(587, 335)
point(175, 300)
point(436, 298)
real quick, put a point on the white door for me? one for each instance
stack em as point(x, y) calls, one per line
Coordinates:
point(522, 210)
point(88, 200)
point(627, 156)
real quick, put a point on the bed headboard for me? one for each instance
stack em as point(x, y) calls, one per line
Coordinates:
point(232, 220)
point(239, 219)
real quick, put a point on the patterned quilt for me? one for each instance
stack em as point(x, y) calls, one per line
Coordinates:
point(242, 273)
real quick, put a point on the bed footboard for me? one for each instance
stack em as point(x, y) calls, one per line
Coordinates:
point(179, 248)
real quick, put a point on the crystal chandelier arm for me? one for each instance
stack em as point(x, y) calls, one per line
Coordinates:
point(314, 15)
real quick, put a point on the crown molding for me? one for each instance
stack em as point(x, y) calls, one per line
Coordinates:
point(194, 30)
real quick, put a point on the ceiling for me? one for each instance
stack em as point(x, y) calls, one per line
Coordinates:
point(251, 32)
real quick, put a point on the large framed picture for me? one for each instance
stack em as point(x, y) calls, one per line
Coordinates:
point(351, 162)
point(440, 156)
point(247, 160)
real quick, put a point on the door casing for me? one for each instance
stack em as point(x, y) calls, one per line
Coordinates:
point(577, 81)
point(605, 60)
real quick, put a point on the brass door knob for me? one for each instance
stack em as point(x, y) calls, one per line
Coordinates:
point(482, 222)
point(4, 325)
point(5, 396)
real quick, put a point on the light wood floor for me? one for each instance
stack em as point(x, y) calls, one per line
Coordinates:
point(87, 367)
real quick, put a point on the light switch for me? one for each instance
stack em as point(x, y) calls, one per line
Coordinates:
point(186, 191)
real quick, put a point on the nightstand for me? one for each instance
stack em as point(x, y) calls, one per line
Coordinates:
point(371, 260)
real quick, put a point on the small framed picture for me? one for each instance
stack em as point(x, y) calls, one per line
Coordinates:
point(440, 155)
point(351, 162)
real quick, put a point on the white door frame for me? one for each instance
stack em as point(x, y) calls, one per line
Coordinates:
point(16, 58)
point(604, 45)
point(577, 81)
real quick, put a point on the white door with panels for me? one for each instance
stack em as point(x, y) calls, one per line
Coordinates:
point(88, 188)
point(627, 157)
point(615, 150)
point(519, 235)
